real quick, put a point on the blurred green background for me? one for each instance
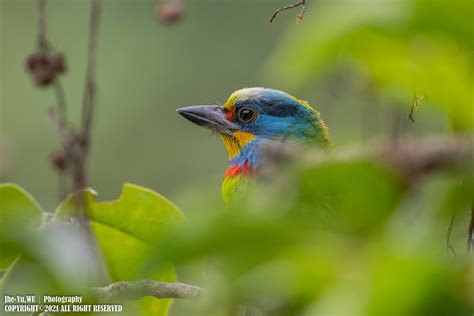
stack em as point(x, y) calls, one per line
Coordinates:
point(146, 70)
point(331, 229)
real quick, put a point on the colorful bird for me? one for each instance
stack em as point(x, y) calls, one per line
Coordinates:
point(251, 120)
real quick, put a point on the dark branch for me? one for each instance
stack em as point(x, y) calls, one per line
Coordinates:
point(138, 289)
point(42, 41)
point(447, 240)
point(470, 230)
point(61, 100)
point(299, 17)
point(45, 48)
point(90, 84)
point(64, 134)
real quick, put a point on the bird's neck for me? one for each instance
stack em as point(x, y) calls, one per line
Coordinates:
point(245, 154)
point(245, 158)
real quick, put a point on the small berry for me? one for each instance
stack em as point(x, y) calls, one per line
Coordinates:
point(43, 75)
point(44, 67)
point(170, 11)
point(35, 60)
point(59, 160)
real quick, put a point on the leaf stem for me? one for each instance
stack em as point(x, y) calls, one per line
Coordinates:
point(138, 289)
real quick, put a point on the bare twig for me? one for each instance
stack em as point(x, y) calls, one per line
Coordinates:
point(61, 100)
point(299, 17)
point(42, 41)
point(447, 240)
point(469, 230)
point(45, 48)
point(138, 289)
point(90, 85)
point(82, 139)
point(64, 133)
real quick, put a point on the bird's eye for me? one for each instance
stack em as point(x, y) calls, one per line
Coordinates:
point(246, 115)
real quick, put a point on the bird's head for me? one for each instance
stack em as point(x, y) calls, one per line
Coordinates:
point(251, 119)
point(260, 115)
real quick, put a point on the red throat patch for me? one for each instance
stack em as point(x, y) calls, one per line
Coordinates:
point(239, 170)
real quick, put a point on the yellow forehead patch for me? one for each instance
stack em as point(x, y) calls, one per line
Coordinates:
point(230, 101)
point(234, 97)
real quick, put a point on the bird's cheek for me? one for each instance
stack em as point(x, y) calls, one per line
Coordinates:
point(243, 137)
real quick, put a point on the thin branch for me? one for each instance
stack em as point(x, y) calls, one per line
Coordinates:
point(44, 47)
point(469, 230)
point(90, 84)
point(79, 172)
point(138, 289)
point(299, 17)
point(61, 100)
point(42, 42)
point(447, 240)
point(65, 136)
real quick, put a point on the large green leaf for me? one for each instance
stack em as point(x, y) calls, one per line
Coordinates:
point(20, 215)
point(125, 230)
point(352, 196)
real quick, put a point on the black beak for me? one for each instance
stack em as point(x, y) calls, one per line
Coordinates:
point(209, 116)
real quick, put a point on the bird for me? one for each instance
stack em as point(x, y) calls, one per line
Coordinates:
point(251, 120)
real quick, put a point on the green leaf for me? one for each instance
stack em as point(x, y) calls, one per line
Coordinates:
point(351, 196)
point(67, 208)
point(139, 212)
point(125, 230)
point(20, 215)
